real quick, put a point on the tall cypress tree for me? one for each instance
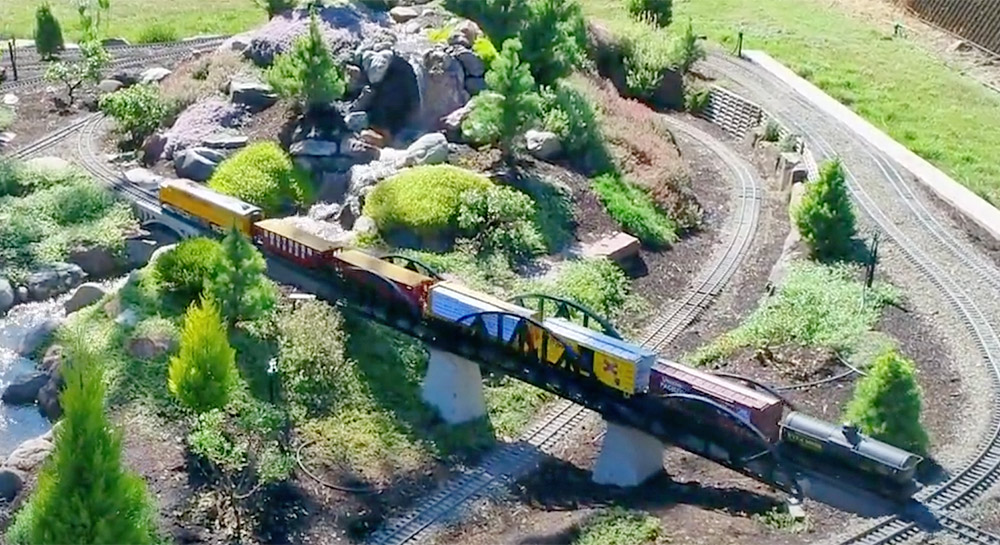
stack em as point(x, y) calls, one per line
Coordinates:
point(886, 404)
point(825, 218)
point(203, 375)
point(239, 286)
point(84, 493)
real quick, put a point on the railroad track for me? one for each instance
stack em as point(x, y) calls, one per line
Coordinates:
point(51, 139)
point(510, 461)
point(136, 56)
point(983, 471)
point(90, 135)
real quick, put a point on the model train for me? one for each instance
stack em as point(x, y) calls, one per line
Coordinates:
point(625, 368)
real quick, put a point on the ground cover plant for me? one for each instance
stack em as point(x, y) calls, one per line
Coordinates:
point(948, 119)
point(818, 305)
point(264, 175)
point(617, 526)
point(130, 18)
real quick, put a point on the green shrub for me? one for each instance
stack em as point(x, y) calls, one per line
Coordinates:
point(276, 7)
point(659, 12)
point(312, 365)
point(646, 59)
point(618, 526)
point(825, 216)
point(262, 174)
point(570, 115)
point(634, 210)
point(157, 33)
point(554, 36)
point(696, 100)
point(818, 305)
point(308, 73)
point(88, 68)
point(439, 35)
point(188, 268)
point(500, 220)
point(772, 131)
point(887, 401)
point(239, 285)
point(48, 32)
point(137, 110)
point(686, 50)
point(485, 50)
point(598, 284)
point(84, 493)
point(423, 199)
point(203, 375)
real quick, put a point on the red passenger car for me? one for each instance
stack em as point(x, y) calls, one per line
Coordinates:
point(285, 240)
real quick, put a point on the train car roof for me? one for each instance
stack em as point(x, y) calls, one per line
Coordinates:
point(597, 340)
point(500, 304)
point(391, 271)
point(205, 193)
point(719, 386)
point(867, 446)
point(288, 230)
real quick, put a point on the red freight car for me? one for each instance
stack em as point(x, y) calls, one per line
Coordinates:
point(368, 270)
point(762, 410)
point(283, 239)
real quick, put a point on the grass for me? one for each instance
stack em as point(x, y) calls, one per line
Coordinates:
point(780, 519)
point(617, 526)
point(157, 33)
point(634, 210)
point(818, 305)
point(130, 19)
point(950, 120)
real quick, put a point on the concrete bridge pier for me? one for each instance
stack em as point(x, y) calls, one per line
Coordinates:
point(628, 457)
point(454, 386)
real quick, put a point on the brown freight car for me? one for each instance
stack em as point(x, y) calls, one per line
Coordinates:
point(369, 271)
point(762, 410)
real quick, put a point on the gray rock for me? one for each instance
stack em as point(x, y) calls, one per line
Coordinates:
point(37, 336)
point(349, 213)
point(6, 137)
point(150, 347)
point(10, 99)
point(24, 390)
point(542, 144)
point(153, 75)
point(429, 149)
point(51, 362)
point(442, 87)
point(376, 64)
point(358, 151)
point(48, 399)
point(335, 185)
point(254, 95)
point(109, 86)
point(128, 318)
point(474, 86)
point(365, 226)
point(356, 79)
point(313, 147)
point(56, 279)
point(96, 261)
point(29, 455)
point(452, 123)
point(473, 65)
point(225, 141)
point(144, 178)
point(22, 294)
point(356, 121)
point(469, 30)
point(7, 295)
point(238, 43)
point(115, 42)
point(85, 295)
point(365, 99)
point(152, 148)
point(11, 483)
point(402, 14)
point(197, 164)
point(127, 76)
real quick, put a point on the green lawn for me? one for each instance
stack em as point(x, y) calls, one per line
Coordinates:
point(948, 119)
point(131, 18)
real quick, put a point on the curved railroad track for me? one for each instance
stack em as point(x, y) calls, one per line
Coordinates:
point(512, 460)
point(51, 139)
point(950, 264)
point(122, 57)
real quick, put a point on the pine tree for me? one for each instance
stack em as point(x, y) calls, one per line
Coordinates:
point(84, 493)
point(308, 72)
point(554, 36)
point(48, 32)
point(239, 285)
point(886, 404)
point(825, 218)
point(203, 375)
point(687, 50)
point(518, 103)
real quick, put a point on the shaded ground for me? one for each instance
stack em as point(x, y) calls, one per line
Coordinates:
point(37, 116)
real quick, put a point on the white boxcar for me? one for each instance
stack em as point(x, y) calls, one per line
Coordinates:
point(451, 302)
point(620, 364)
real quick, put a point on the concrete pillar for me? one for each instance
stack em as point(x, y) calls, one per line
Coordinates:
point(628, 457)
point(454, 386)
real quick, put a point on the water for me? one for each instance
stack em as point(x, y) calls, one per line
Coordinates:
point(18, 424)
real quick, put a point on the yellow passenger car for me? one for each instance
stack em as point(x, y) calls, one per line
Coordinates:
point(207, 207)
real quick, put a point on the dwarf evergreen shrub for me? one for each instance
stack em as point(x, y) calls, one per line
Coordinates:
point(48, 32)
point(307, 73)
point(657, 11)
point(825, 217)
point(262, 174)
point(203, 375)
point(188, 268)
point(239, 284)
point(886, 404)
point(500, 220)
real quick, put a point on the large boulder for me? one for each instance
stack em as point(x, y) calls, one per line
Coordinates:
point(344, 26)
point(35, 338)
point(85, 295)
point(429, 149)
point(442, 86)
point(96, 261)
point(197, 164)
point(48, 399)
point(155, 74)
point(150, 346)
point(152, 148)
point(255, 95)
point(376, 65)
point(109, 86)
point(11, 483)
point(452, 123)
point(54, 280)
point(7, 295)
point(473, 65)
point(205, 123)
point(467, 30)
point(356, 121)
point(542, 144)
point(402, 14)
point(144, 178)
point(314, 147)
point(24, 390)
point(30, 454)
point(358, 151)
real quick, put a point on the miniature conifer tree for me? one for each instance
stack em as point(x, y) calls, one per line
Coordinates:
point(48, 32)
point(308, 73)
point(203, 375)
point(887, 403)
point(239, 286)
point(825, 218)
